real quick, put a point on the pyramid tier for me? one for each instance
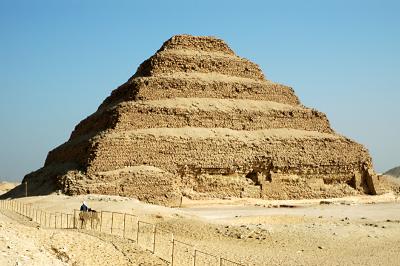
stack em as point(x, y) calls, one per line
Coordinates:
point(203, 112)
point(198, 43)
point(288, 150)
point(200, 85)
point(194, 61)
point(306, 153)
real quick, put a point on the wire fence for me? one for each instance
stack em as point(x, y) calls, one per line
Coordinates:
point(147, 235)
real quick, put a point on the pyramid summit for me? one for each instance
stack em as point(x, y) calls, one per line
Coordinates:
point(199, 121)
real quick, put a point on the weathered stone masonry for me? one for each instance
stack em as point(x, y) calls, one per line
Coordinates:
point(199, 121)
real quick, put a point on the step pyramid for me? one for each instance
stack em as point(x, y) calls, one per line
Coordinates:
point(199, 121)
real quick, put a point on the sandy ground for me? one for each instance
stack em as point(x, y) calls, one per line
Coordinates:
point(23, 242)
point(350, 231)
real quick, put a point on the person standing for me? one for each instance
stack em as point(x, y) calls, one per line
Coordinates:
point(84, 207)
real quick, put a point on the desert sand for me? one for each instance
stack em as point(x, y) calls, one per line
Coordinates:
point(359, 230)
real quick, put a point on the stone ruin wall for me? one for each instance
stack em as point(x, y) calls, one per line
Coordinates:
point(146, 183)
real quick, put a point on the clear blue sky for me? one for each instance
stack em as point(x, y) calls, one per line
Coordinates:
point(60, 59)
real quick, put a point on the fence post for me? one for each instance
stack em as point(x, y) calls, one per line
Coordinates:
point(137, 235)
point(194, 256)
point(154, 239)
point(123, 235)
point(26, 188)
point(112, 221)
point(74, 222)
point(101, 220)
point(173, 249)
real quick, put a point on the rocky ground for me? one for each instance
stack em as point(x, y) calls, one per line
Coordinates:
point(351, 231)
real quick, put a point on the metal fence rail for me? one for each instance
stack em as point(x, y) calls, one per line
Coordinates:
point(147, 235)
